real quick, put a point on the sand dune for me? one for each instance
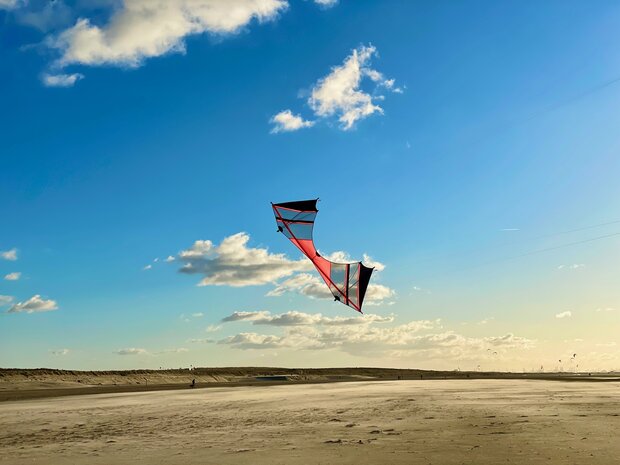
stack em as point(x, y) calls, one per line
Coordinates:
point(380, 422)
point(21, 384)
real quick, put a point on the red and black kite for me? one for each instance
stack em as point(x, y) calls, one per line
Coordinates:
point(346, 281)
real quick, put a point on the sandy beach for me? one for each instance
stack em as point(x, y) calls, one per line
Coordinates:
point(387, 422)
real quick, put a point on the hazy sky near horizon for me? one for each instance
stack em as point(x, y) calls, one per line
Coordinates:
point(469, 150)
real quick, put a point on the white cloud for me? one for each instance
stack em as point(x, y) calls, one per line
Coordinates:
point(303, 283)
point(5, 299)
point(339, 93)
point(389, 84)
point(179, 350)
point(45, 15)
point(574, 266)
point(59, 351)
point(201, 341)
point(368, 261)
point(507, 341)
point(402, 341)
point(378, 294)
point(198, 315)
point(566, 314)
point(10, 255)
point(213, 328)
point(606, 309)
point(255, 341)
point(13, 276)
point(313, 287)
point(61, 80)
point(131, 351)
point(33, 305)
point(147, 267)
point(286, 121)
point(10, 4)
point(233, 263)
point(141, 29)
point(169, 259)
point(295, 318)
point(326, 3)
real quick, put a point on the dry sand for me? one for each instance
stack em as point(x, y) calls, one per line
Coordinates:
point(381, 422)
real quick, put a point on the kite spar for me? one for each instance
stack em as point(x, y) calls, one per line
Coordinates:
point(346, 281)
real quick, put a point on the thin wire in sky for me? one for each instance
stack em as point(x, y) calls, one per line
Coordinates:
point(532, 252)
point(519, 241)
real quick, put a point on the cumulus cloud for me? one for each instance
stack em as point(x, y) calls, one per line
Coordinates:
point(368, 261)
point(330, 335)
point(295, 318)
point(169, 259)
point(405, 340)
point(286, 121)
point(5, 299)
point(59, 351)
point(339, 94)
point(141, 29)
point(13, 276)
point(303, 283)
point(566, 314)
point(255, 341)
point(34, 305)
point(313, 287)
point(213, 328)
point(233, 263)
point(131, 351)
point(10, 255)
point(147, 267)
point(61, 80)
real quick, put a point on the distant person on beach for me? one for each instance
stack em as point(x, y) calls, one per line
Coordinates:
point(193, 383)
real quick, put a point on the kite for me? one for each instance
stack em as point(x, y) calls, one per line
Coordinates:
point(346, 281)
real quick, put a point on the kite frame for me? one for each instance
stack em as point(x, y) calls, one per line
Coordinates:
point(326, 278)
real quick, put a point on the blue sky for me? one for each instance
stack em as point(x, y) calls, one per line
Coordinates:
point(470, 148)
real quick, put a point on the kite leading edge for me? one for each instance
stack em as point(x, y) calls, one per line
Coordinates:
point(346, 281)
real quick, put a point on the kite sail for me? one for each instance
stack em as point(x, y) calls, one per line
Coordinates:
point(346, 281)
